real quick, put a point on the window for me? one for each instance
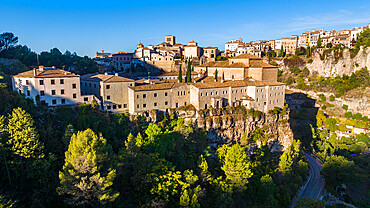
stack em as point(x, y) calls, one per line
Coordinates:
point(74, 86)
point(264, 103)
point(63, 101)
point(27, 82)
point(43, 101)
point(137, 106)
point(144, 95)
point(108, 97)
point(185, 103)
point(258, 99)
point(109, 107)
point(94, 85)
point(125, 105)
point(211, 93)
point(62, 81)
point(177, 105)
point(178, 93)
point(53, 92)
point(52, 81)
point(155, 94)
point(28, 93)
point(216, 93)
point(155, 104)
point(114, 106)
point(165, 94)
point(41, 82)
point(119, 106)
point(42, 93)
point(257, 90)
point(108, 87)
point(137, 96)
point(86, 99)
point(166, 103)
point(144, 105)
point(201, 94)
point(89, 84)
point(62, 92)
point(54, 102)
point(74, 95)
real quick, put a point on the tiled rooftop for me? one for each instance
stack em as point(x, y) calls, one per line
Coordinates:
point(46, 73)
point(105, 78)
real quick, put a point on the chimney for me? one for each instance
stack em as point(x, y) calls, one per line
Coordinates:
point(116, 74)
point(41, 68)
point(34, 72)
point(102, 50)
point(106, 73)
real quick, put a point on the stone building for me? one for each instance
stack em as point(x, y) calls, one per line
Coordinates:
point(240, 67)
point(112, 90)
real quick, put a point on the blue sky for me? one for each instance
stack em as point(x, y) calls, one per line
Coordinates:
point(89, 26)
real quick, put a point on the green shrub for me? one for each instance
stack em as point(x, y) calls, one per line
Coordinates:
point(331, 98)
point(348, 114)
point(310, 61)
point(345, 107)
point(357, 116)
point(322, 97)
point(323, 107)
point(365, 119)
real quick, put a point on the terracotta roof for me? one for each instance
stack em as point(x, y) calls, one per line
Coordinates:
point(191, 46)
point(160, 86)
point(236, 83)
point(46, 73)
point(192, 41)
point(246, 97)
point(105, 78)
point(223, 64)
point(210, 47)
point(245, 56)
point(259, 63)
point(177, 73)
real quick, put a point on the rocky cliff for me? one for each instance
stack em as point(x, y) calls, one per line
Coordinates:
point(237, 125)
point(339, 63)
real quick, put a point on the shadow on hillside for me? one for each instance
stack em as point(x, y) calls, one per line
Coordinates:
point(302, 115)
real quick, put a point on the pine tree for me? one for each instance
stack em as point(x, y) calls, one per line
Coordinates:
point(237, 166)
point(139, 140)
point(87, 176)
point(23, 137)
point(203, 165)
point(216, 75)
point(184, 198)
point(180, 75)
point(68, 134)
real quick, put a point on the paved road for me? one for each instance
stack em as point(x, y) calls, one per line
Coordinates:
point(316, 181)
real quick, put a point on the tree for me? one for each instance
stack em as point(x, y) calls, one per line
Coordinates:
point(87, 175)
point(288, 157)
point(363, 39)
point(8, 40)
point(331, 98)
point(281, 52)
point(338, 170)
point(184, 199)
point(180, 74)
point(322, 98)
point(266, 189)
point(305, 72)
point(216, 75)
point(319, 42)
point(188, 73)
point(331, 124)
point(306, 202)
point(348, 114)
point(345, 107)
point(236, 165)
point(68, 134)
point(23, 137)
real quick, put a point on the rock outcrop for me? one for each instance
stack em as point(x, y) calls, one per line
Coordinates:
point(233, 124)
point(344, 64)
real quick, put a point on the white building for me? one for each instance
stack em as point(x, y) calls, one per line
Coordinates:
point(54, 86)
point(192, 50)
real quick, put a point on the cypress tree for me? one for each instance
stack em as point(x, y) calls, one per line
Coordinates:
point(188, 73)
point(87, 175)
point(216, 75)
point(180, 75)
point(319, 42)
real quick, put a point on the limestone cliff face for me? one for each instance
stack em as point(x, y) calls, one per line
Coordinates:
point(332, 66)
point(228, 126)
